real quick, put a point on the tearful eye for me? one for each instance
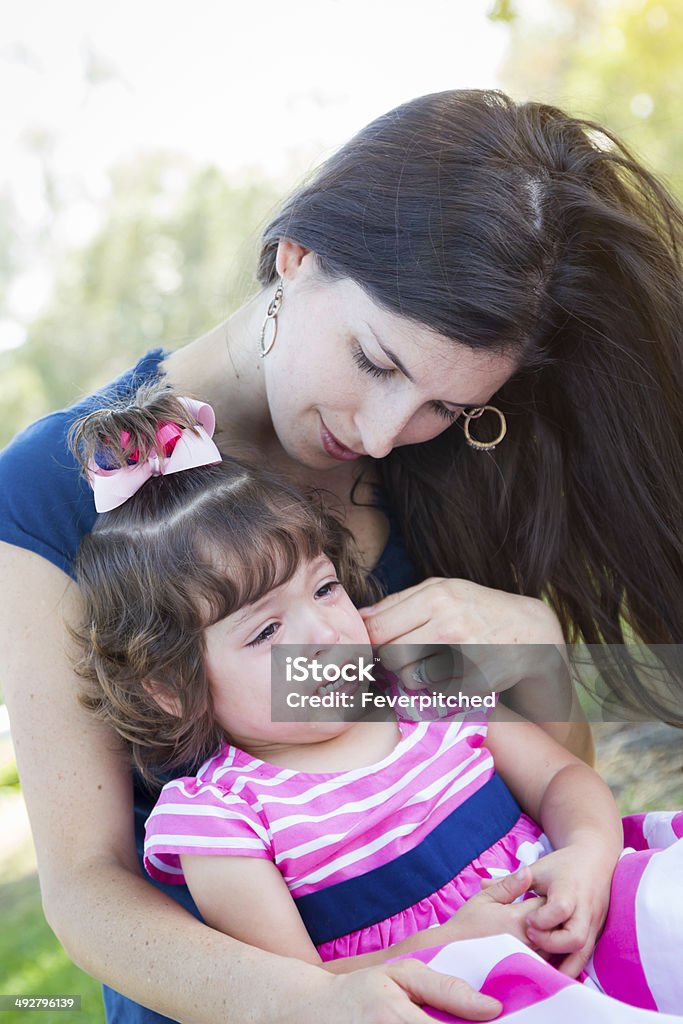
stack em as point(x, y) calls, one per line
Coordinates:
point(328, 588)
point(266, 634)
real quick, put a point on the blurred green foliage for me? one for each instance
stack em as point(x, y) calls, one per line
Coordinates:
point(9, 777)
point(175, 254)
point(33, 962)
point(619, 62)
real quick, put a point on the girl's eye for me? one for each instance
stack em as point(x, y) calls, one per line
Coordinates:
point(327, 588)
point(447, 414)
point(363, 363)
point(266, 634)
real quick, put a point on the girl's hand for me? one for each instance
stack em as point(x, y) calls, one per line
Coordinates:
point(510, 641)
point(494, 912)
point(576, 883)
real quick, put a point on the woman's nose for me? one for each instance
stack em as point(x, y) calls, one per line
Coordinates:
point(381, 427)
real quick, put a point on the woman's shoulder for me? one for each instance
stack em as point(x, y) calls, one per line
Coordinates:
point(45, 505)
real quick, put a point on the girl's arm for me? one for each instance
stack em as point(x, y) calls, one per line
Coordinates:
point(247, 898)
point(578, 814)
point(113, 923)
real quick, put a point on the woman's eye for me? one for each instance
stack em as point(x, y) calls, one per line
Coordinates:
point(363, 363)
point(266, 634)
point(327, 588)
point(450, 415)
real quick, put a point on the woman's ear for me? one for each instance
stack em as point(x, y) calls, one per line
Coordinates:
point(167, 703)
point(291, 258)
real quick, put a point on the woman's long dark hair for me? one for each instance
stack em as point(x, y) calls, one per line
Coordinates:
point(519, 228)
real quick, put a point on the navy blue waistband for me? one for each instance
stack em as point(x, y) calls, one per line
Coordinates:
point(387, 890)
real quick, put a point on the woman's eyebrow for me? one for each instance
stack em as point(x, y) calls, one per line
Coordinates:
point(390, 355)
point(394, 358)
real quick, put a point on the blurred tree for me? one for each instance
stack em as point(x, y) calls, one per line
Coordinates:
point(502, 10)
point(615, 61)
point(175, 254)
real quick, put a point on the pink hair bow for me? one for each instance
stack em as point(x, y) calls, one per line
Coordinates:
point(184, 449)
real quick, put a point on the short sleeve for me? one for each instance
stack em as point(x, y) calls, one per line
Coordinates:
point(196, 817)
point(45, 504)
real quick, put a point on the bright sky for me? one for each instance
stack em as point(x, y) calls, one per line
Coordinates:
point(254, 86)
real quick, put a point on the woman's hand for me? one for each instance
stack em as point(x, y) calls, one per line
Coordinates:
point(393, 994)
point(446, 611)
point(446, 632)
point(576, 883)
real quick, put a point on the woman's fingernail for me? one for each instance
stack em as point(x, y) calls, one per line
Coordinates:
point(488, 1003)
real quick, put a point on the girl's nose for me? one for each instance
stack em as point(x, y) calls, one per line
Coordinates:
point(318, 630)
point(325, 637)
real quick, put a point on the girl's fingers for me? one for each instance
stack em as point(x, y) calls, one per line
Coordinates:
point(573, 964)
point(570, 939)
point(556, 912)
point(508, 888)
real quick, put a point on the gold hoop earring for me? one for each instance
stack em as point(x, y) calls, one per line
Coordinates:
point(474, 414)
point(271, 318)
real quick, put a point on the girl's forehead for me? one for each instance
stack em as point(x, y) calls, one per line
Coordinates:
point(285, 584)
point(254, 576)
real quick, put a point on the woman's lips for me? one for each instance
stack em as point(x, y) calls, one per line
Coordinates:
point(334, 447)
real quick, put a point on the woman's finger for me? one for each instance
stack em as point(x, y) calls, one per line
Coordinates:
point(421, 664)
point(443, 991)
point(401, 622)
point(391, 599)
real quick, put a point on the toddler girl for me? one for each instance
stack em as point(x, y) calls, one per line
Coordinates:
point(346, 842)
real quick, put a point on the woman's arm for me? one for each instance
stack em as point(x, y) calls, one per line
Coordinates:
point(247, 897)
point(509, 643)
point(113, 923)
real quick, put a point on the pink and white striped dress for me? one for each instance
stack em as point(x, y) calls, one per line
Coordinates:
point(373, 855)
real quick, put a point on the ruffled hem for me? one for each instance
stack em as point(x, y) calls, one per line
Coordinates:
point(524, 844)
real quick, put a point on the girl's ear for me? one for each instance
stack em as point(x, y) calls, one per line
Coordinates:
point(290, 259)
point(167, 703)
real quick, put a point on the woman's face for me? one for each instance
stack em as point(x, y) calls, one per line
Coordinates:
point(345, 378)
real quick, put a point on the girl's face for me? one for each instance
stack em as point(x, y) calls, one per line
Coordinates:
point(311, 609)
point(345, 378)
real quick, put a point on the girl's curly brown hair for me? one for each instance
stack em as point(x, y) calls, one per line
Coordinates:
point(150, 579)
